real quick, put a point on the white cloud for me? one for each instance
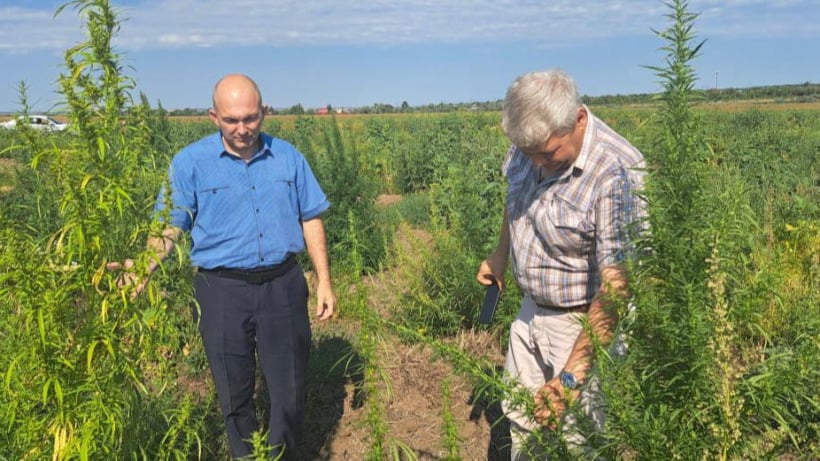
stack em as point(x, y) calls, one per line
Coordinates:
point(184, 23)
point(26, 29)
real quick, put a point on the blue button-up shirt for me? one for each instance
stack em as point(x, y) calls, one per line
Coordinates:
point(242, 214)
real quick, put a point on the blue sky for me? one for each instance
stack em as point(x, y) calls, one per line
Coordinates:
point(352, 53)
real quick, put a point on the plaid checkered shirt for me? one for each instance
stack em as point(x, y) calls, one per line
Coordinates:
point(566, 228)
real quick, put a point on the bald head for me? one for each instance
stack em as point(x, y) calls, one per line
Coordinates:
point(238, 113)
point(236, 87)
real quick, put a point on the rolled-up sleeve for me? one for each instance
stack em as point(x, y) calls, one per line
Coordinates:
point(619, 214)
point(312, 200)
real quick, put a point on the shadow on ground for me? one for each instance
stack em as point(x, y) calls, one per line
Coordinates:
point(499, 447)
point(333, 364)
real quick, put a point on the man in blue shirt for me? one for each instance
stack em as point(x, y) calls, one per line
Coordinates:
point(250, 203)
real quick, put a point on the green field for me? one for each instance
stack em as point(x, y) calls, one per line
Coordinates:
point(87, 369)
point(723, 345)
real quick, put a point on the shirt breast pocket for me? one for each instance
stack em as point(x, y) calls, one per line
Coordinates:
point(214, 195)
point(569, 229)
point(284, 191)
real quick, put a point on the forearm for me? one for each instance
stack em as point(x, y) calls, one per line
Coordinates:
point(502, 249)
point(495, 265)
point(602, 317)
point(316, 243)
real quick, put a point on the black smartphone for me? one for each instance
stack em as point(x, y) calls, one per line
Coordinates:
point(490, 303)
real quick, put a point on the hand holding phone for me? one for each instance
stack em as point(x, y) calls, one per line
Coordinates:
point(490, 303)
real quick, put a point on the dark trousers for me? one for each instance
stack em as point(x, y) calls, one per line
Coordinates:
point(242, 321)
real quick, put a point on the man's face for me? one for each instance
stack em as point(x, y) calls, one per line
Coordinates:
point(555, 154)
point(560, 150)
point(239, 118)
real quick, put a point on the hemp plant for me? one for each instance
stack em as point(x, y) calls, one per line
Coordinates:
point(84, 365)
point(696, 381)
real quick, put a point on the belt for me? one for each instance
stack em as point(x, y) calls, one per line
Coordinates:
point(577, 309)
point(257, 275)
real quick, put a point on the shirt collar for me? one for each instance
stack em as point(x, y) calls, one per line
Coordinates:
point(583, 156)
point(216, 139)
point(265, 147)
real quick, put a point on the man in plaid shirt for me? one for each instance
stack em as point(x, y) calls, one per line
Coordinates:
point(572, 208)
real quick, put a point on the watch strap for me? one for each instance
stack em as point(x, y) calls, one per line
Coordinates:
point(568, 380)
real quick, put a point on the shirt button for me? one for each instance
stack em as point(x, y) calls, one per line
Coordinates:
point(260, 235)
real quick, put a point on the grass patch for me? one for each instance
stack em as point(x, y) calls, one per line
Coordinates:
point(413, 209)
point(8, 174)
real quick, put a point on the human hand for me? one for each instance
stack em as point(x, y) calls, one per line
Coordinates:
point(128, 277)
point(325, 302)
point(488, 273)
point(550, 404)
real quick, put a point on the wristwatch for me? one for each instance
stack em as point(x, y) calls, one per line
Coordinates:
point(568, 380)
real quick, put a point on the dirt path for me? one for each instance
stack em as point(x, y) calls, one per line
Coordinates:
point(337, 417)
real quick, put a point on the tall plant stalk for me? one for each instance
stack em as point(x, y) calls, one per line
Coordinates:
point(686, 389)
point(80, 373)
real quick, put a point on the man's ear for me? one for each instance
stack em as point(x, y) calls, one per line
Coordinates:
point(213, 117)
point(581, 118)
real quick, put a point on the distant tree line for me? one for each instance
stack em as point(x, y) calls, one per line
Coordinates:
point(802, 92)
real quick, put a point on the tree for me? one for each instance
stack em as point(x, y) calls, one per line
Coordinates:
point(296, 110)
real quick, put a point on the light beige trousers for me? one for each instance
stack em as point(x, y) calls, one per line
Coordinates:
point(541, 341)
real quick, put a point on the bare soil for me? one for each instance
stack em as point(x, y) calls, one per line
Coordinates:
point(337, 428)
point(337, 415)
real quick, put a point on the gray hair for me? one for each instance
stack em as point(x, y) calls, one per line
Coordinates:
point(537, 105)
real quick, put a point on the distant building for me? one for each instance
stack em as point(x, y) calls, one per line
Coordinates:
point(330, 109)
